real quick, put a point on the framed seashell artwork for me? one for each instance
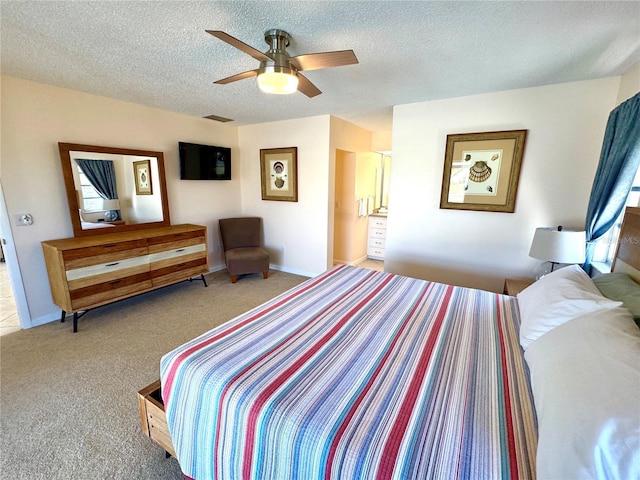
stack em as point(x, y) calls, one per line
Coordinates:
point(279, 174)
point(481, 171)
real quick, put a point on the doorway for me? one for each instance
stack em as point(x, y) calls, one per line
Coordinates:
point(14, 313)
point(355, 189)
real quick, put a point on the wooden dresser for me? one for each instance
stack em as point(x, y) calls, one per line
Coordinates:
point(86, 272)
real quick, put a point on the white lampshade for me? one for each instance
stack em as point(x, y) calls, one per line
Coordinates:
point(558, 245)
point(278, 82)
point(113, 204)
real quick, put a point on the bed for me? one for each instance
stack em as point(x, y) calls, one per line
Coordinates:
point(357, 374)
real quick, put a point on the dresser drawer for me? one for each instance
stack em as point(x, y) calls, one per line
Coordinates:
point(109, 291)
point(113, 268)
point(108, 248)
point(157, 250)
point(176, 256)
point(377, 222)
point(179, 271)
point(176, 237)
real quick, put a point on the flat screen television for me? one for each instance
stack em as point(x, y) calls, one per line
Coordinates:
point(204, 162)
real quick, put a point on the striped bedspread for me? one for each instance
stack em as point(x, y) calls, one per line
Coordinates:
point(356, 374)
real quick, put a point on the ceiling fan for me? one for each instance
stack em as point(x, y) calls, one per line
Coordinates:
point(278, 72)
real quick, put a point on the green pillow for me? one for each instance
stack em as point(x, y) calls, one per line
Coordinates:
point(621, 287)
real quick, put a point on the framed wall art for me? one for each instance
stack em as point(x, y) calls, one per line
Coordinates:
point(481, 171)
point(142, 175)
point(279, 174)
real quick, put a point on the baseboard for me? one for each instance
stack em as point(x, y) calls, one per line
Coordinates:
point(293, 271)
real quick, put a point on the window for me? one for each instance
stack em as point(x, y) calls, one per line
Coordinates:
point(606, 246)
point(91, 200)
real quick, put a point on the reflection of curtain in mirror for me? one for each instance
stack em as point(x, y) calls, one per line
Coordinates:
point(102, 175)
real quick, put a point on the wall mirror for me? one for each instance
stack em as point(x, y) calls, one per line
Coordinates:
point(383, 174)
point(114, 189)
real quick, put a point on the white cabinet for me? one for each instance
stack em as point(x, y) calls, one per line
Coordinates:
point(376, 237)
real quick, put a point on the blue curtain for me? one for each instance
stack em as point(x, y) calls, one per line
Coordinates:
point(102, 175)
point(619, 161)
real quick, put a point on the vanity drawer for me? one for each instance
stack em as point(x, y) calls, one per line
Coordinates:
point(377, 233)
point(374, 252)
point(110, 290)
point(377, 242)
point(377, 222)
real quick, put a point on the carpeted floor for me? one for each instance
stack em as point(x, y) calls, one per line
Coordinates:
point(68, 407)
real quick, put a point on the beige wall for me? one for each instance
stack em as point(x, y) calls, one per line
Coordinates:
point(565, 126)
point(294, 232)
point(629, 84)
point(299, 235)
point(35, 117)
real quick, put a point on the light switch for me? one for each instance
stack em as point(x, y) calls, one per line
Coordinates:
point(23, 219)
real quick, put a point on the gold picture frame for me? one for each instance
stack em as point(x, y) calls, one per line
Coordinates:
point(279, 174)
point(142, 175)
point(482, 170)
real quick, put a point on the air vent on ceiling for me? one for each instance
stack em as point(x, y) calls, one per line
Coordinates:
point(218, 119)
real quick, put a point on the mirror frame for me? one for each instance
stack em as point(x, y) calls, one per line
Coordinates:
point(72, 200)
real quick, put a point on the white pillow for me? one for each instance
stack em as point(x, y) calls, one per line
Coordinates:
point(585, 378)
point(557, 298)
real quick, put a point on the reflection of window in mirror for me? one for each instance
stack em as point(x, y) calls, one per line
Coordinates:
point(90, 200)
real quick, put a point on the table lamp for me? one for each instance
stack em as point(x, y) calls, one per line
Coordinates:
point(111, 207)
point(555, 246)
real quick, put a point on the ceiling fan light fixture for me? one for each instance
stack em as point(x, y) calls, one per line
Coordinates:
point(280, 81)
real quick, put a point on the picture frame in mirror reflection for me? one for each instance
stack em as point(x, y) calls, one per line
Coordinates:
point(482, 171)
point(142, 175)
point(279, 174)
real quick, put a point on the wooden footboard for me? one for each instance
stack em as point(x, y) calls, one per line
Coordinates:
point(152, 416)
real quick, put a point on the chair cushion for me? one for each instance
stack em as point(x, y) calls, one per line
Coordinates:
point(247, 260)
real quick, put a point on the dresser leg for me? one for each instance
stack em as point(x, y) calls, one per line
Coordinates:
point(75, 322)
point(204, 280)
point(63, 316)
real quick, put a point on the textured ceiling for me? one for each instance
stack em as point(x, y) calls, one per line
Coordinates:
point(158, 54)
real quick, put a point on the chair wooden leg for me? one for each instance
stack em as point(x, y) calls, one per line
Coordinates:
point(234, 278)
point(265, 275)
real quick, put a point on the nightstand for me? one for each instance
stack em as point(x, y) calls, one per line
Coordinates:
point(513, 286)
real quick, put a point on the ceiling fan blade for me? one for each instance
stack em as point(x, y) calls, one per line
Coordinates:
point(316, 61)
point(234, 42)
point(305, 86)
point(236, 77)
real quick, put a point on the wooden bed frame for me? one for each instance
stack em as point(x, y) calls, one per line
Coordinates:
point(627, 258)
